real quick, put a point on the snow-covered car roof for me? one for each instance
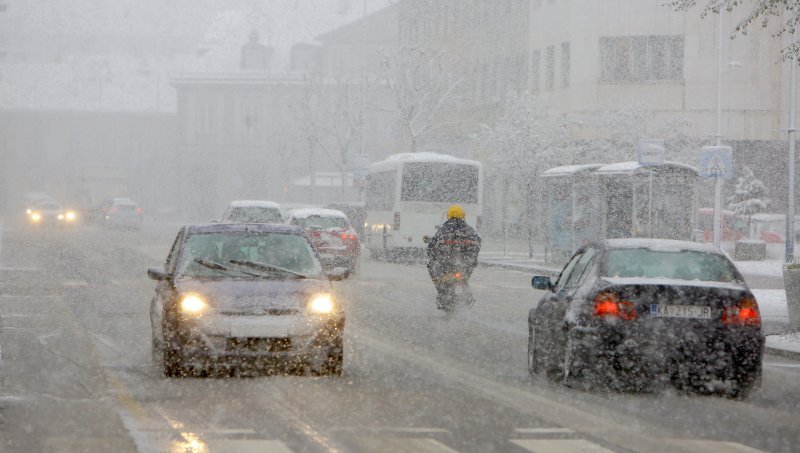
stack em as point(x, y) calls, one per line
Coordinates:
point(571, 170)
point(303, 213)
point(666, 245)
point(254, 204)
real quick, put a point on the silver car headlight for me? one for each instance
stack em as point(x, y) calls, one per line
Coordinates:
point(193, 304)
point(322, 303)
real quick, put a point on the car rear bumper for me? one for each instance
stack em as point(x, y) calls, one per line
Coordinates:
point(721, 353)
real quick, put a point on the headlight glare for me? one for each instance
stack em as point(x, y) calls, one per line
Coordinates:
point(321, 303)
point(70, 216)
point(193, 304)
point(36, 217)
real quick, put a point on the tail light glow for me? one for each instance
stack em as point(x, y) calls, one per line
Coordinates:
point(608, 305)
point(138, 210)
point(744, 314)
point(458, 275)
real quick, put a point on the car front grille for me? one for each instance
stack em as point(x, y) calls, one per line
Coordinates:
point(259, 344)
point(261, 312)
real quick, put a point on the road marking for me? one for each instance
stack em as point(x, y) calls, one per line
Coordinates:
point(782, 365)
point(243, 446)
point(560, 446)
point(74, 283)
point(714, 446)
point(392, 430)
point(544, 431)
point(402, 445)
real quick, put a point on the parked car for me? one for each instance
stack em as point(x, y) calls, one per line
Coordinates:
point(252, 211)
point(48, 212)
point(332, 234)
point(120, 213)
point(640, 312)
point(245, 294)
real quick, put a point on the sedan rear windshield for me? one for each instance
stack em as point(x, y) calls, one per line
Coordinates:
point(289, 251)
point(682, 265)
point(254, 214)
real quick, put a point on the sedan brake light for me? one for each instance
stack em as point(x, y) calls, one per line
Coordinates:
point(608, 305)
point(744, 314)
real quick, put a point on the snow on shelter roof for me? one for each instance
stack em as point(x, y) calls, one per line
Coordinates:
point(303, 213)
point(571, 170)
point(667, 245)
point(254, 203)
point(631, 167)
point(393, 160)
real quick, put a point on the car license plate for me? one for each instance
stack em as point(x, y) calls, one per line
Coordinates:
point(260, 327)
point(680, 311)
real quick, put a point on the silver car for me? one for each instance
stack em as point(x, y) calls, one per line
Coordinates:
point(252, 295)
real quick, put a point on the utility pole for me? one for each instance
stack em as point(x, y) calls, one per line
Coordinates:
point(792, 171)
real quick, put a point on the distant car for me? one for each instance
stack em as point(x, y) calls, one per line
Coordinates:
point(252, 211)
point(121, 213)
point(637, 312)
point(332, 234)
point(245, 294)
point(356, 213)
point(50, 213)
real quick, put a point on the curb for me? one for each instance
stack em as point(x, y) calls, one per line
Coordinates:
point(548, 271)
point(783, 353)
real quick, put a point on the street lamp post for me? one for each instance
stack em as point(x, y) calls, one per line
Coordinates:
point(718, 136)
point(789, 256)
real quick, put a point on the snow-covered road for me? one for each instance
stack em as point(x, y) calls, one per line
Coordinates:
point(78, 375)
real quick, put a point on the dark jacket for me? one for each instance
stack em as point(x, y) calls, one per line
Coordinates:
point(455, 239)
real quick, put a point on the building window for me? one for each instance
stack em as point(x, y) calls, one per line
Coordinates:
point(641, 58)
point(565, 64)
point(536, 56)
point(550, 75)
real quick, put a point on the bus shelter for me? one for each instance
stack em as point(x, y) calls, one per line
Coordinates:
point(655, 201)
point(620, 200)
point(572, 206)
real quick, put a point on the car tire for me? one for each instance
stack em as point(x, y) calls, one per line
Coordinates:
point(743, 387)
point(332, 361)
point(534, 359)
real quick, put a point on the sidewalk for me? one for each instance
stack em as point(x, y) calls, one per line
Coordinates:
point(765, 279)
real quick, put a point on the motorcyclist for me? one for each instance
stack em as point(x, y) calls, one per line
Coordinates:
point(453, 240)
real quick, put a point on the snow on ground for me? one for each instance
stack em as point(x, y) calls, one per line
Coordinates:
point(772, 303)
point(769, 268)
point(789, 341)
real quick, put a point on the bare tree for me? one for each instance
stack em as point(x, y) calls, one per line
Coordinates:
point(425, 86)
point(330, 115)
point(759, 12)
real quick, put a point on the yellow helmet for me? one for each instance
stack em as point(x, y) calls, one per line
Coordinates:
point(455, 212)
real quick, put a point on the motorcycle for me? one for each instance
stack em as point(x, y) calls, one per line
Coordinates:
point(452, 284)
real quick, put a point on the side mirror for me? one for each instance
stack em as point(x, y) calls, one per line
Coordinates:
point(157, 274)
point(426, 239)
point(542, 282)
point(338, 273)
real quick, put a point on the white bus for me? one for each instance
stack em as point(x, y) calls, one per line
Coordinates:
point(408, 195)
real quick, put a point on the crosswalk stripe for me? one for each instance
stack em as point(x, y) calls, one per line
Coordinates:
point(246, 446)
point(544, 431)
point(402, 445)
point(560, 446)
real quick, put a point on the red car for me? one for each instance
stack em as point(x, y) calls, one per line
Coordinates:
point(332, 234)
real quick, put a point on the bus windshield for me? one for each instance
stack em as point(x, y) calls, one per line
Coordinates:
point(439, 182)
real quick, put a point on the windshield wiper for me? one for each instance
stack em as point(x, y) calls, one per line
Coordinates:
point(221, 267)
point(268, 267)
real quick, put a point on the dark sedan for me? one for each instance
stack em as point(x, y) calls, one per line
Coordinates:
point(245, 295)
point(637, 313)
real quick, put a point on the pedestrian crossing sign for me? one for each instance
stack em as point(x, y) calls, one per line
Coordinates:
point(716, 162)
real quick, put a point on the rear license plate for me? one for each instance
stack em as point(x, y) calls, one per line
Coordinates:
point(680, 311)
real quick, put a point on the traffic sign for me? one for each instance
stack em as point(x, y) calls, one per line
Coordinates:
point(716, 162)
point(650, 152)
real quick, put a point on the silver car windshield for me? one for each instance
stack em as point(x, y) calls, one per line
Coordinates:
point(288, 251)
